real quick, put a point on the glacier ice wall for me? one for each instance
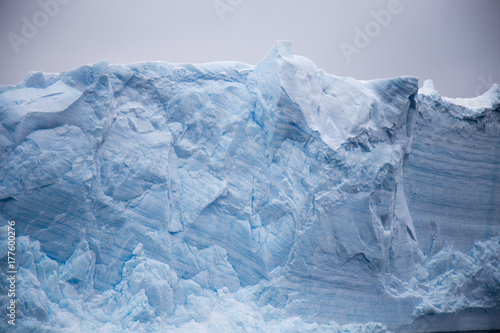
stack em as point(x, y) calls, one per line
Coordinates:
point(452, 176)
point(226, 196)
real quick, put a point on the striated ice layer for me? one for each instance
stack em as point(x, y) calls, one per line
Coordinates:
point(229, 197)
point(452, 176)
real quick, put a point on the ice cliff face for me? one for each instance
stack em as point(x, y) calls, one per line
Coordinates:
point(232, 197)
point(452, 176)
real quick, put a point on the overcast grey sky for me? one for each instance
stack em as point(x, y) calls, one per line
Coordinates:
point(454, 42)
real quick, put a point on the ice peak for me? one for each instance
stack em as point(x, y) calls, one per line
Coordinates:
point(282, 48)
point(428, 88)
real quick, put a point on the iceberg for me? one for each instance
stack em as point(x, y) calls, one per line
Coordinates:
point(260, 198)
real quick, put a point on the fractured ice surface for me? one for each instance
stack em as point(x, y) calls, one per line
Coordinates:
point(230, 197)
